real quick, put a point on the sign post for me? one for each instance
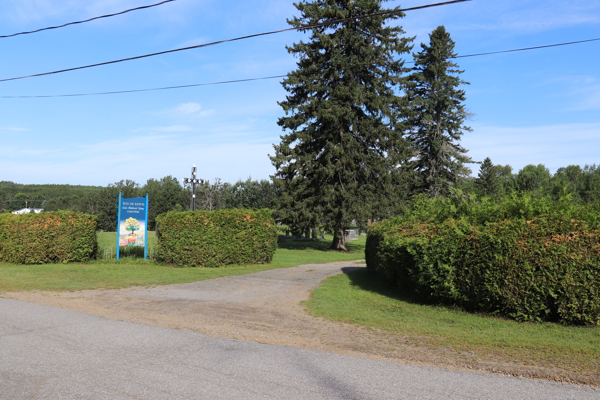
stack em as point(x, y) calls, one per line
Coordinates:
point(132, 224)
point(118, 251)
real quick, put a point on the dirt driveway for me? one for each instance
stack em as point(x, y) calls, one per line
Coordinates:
point(265, 307)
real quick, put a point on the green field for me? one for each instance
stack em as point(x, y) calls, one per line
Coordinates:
point(135, 271)
point(363, 299)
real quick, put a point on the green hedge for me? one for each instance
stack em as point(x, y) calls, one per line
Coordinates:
point(56, 237)
point(216, 238)
point(547, 269)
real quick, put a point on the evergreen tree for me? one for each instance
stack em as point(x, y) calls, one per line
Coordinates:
point(436, 115)
point(487, 180)
point(340, 155)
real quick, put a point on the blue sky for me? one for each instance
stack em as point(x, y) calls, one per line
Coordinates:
point(532, 107)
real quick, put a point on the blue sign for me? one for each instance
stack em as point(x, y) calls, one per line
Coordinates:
point(132, 223)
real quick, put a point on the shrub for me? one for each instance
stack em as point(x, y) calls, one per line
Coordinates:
point(216, 238)
point(543, 269)
point(45, 238)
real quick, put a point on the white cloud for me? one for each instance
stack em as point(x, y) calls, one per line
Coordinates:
point(570, 80)
point(587, 98)
point(24, 11)
point(190, 110)
point(13, 129)
point(193, 42)
point(166, 129)
point(37, 152)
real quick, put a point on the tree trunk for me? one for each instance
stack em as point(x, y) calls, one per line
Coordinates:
point(339, 240)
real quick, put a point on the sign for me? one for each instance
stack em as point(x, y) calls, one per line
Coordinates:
point(132, 223)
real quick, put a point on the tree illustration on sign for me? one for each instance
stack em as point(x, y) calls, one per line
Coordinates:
point(132, 224)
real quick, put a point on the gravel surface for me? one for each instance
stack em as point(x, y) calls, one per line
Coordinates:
point(265, 307)
point(52, 353)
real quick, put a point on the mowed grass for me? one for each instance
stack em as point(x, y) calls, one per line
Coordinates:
point(130, 271)
point(361, 298)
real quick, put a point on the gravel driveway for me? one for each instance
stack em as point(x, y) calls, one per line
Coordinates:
point(265, 307)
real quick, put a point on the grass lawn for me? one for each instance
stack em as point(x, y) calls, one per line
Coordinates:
point(129, 271)
point(360, 298)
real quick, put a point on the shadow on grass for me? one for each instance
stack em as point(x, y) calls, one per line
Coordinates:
point(317, 244)
point(133, 252)
point(365, 280)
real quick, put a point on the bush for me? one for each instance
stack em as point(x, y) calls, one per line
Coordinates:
point(546, 269)
point(45, 238)
point(216, 238)
point(480, 211)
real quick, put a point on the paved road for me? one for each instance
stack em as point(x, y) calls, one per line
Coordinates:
point(51, 353)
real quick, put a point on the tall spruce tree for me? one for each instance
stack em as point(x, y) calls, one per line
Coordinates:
point(436, 115)
point(487, 180)
point(340, 156)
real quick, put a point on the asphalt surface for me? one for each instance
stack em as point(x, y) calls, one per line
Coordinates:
point(52, 353)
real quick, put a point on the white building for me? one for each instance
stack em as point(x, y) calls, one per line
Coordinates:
point(28, 210)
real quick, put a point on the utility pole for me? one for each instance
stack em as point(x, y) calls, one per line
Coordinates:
point(193, 181)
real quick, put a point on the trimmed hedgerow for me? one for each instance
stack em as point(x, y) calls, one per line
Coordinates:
point(216, 238)
point(546, 269)
point(45, 238)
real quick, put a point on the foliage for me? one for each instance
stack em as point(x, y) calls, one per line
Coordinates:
point(47, 238)
point(488, 182)
point(13, 195)
point(107, 202)
point(533, 177)
point(216, 238)
point(164, 195)
point(340, 154)
point(479, 211)
point(436, 115)
point(529, 260)
point(253, 195)
point(213, 196)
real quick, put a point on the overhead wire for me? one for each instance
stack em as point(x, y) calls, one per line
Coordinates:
point(146, 90)
point(272, 77)
point(87, 20)
point(298, 28)
point(528, 48)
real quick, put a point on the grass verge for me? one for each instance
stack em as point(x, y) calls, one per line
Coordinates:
point(130, 271)
point(360, 298)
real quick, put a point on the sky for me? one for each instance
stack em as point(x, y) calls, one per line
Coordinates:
point(533, 107)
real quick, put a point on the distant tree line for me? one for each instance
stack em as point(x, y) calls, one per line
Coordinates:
point(166, 194)
point(582, 184)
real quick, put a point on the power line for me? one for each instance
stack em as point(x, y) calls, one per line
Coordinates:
point(299, 28)
point(87, 20)
point(146, 90)
point(528, 48)
point(272, 77)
